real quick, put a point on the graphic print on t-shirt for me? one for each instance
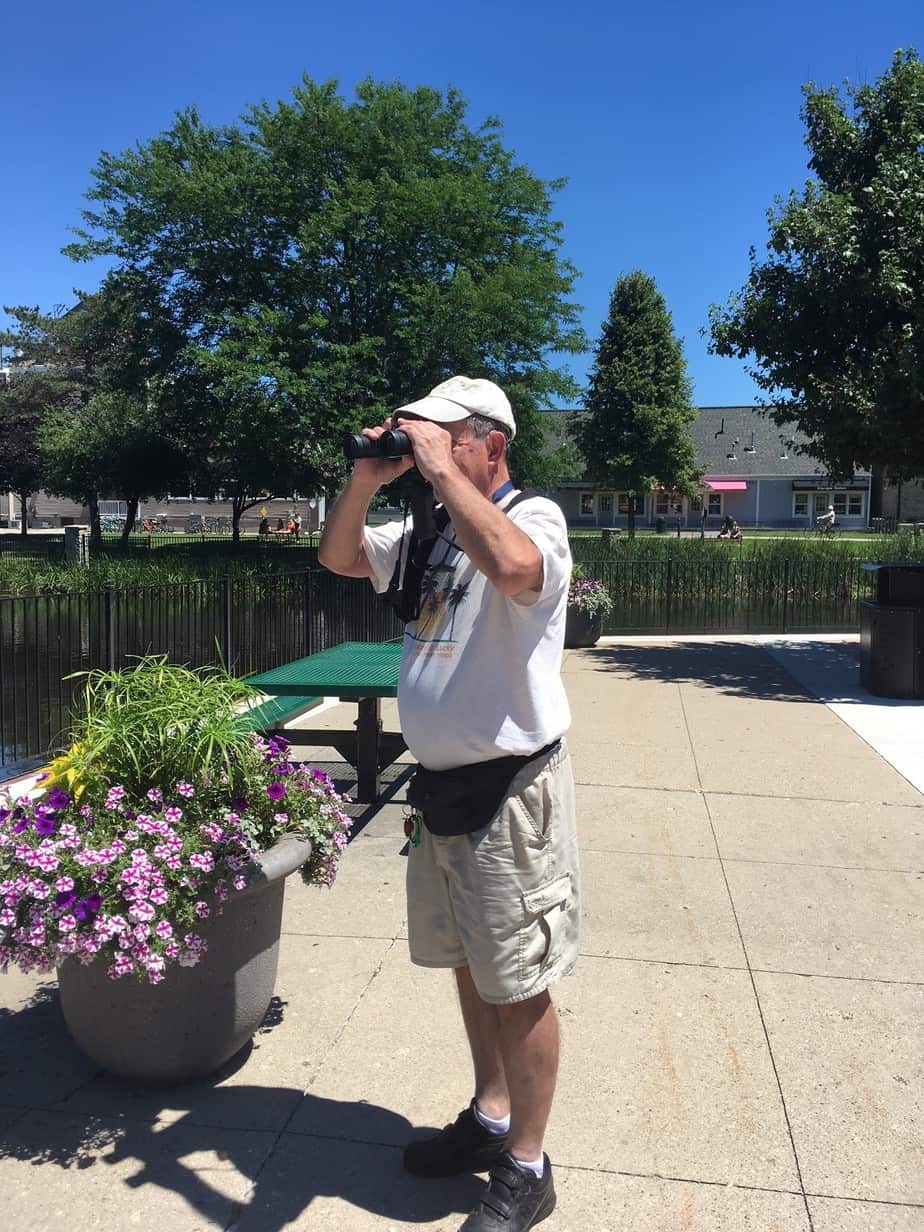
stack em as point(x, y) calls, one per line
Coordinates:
point(440, 600)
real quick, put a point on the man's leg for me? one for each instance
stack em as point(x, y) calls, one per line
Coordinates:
point(515, 1056)
point(482, 1025)
point(529, 1046)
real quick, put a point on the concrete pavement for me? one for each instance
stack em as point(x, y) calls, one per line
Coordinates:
point(741, 1043)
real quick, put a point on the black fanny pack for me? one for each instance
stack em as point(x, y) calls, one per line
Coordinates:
point(464, 799)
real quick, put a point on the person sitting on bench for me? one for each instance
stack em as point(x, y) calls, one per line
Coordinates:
point(730, 529)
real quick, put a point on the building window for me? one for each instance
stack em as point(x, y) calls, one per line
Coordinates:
point(696, 503)
point(839, 501)
point(821, 502)
point(714, 508)
point(800, 504)
point(662, 503)
point(855, 504)
point(605, 502)
point(586, 504)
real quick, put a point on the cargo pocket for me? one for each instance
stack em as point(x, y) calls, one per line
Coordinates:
point(544, 914)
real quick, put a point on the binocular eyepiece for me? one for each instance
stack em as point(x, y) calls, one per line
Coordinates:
point(391, 444)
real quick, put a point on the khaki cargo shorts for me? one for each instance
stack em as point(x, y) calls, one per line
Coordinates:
point(504, 900)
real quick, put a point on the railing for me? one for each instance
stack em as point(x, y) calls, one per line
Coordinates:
point(255, 623)
point(198, 544)
point(249, 623)
point(33, 547)
point(734, 595)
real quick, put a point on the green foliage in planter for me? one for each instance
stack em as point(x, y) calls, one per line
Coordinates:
point(155, 724)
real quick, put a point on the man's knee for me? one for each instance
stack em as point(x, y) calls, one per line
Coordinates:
point(527, 1011)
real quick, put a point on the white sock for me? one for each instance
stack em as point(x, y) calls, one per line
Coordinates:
point(496, 1127)
point(535, 1166)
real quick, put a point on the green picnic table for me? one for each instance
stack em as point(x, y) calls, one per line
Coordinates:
point(363, 672)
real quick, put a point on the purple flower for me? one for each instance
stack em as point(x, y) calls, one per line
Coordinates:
point(239, 806)
point(57, 799)
point(276, 791)
point(44, 824)
point(87, 907)
point(19, 826)
point(5, 815)
point(65, 899)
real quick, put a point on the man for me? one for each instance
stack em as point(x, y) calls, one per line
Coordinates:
point(826, 520)
point(493, 880)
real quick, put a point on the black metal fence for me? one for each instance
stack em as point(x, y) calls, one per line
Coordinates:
point(255, 623)
point(250, 624)
point(204, 544)
point(33, 547)
point(732, 595)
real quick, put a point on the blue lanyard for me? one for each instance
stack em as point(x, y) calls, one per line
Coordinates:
point(502, 491)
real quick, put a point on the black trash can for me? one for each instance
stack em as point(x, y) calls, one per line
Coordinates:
point(892, 632)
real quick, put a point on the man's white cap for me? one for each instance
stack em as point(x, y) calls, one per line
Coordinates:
point(460, 397)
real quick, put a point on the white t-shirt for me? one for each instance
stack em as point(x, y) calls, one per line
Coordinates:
point(481, 671)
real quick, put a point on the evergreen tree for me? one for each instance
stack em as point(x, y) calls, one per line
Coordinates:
point(635, 436)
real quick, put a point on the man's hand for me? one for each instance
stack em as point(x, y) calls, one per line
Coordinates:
point(432, 448)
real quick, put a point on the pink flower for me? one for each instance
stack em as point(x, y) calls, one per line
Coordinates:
point(67, 923)
point(63, 884)
point(173, 814)
point(186, 789)
point(202, 910)
point(164, 930)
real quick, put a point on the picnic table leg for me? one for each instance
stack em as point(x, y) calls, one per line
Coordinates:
point(368, 728)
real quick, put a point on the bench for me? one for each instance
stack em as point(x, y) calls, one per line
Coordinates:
point(273, 714)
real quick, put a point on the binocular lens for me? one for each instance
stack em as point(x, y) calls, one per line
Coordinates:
point(392, 444)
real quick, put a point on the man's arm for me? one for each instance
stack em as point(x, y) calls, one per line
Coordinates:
point(496, 546)
point(341, 548)
point(499, 549)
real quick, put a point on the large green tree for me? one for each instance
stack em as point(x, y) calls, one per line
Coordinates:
point(326, 261)
point(833, 317)
point(104, 376)
point(23, 404)
point(638, 402)
point(110, 445)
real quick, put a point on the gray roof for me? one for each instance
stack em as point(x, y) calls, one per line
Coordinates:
point(717, 431)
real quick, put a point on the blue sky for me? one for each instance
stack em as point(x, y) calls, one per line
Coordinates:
point(676, 124)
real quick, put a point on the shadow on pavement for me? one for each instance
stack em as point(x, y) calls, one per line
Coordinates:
point(730, 667)
point(351, 1150)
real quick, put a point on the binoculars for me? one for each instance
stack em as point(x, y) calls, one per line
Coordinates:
point(391, 444)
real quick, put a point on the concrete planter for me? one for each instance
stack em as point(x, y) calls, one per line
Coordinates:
point(581, 629)
point(197, 1018)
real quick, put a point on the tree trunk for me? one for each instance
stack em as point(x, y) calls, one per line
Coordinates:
point(130, 515)
point(96, 529)
point(237, 508)
point(24, 513)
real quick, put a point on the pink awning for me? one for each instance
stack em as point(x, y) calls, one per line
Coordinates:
point(724, 485)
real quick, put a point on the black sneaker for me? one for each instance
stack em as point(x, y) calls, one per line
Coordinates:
point(464, 1146)
point(516, 1199)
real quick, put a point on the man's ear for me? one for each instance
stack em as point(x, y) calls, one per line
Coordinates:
point(497, 445)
